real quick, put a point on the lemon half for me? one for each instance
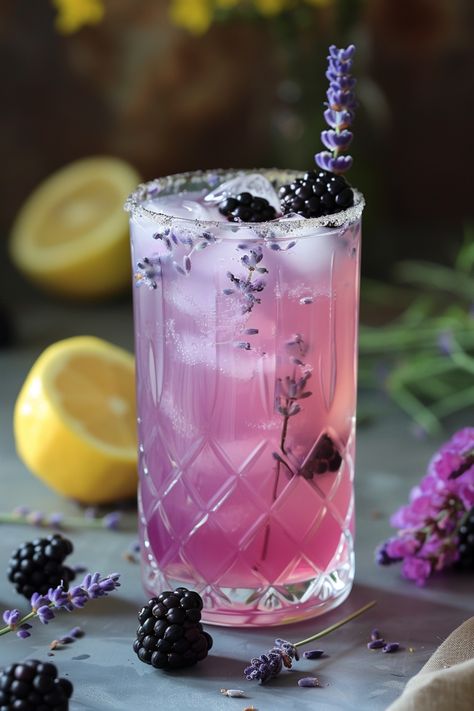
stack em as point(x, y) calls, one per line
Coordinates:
point(74, 420)
point(71, 234)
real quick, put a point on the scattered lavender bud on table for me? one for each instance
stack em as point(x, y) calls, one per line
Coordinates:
point(235, 693)
point(375, 634)
point(269, 665)
point(391, 647)
point(313, 653)
point(376, 644)
point(309, 681)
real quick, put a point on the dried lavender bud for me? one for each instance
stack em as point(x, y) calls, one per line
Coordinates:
point(391, 647)
point(234, 693)
point(313, 654)
point(375, 634)
point(306, 300)
point(309, 681)
point(376, 644)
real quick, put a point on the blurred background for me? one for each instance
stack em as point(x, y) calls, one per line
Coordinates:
point(172, 85)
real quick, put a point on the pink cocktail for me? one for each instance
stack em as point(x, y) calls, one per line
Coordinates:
point(246, 342)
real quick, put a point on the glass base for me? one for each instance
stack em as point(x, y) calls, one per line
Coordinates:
point(264, 606)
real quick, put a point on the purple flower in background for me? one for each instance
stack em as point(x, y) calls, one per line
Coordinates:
point(339, 113)
point(112, 520)
point(417, 569)
point(431, 524)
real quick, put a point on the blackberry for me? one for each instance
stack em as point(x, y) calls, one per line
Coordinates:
point(325, 457)
point(246, 207)
point(466, 542)
point(38, 566)
point(33, 686)
point(316, 194)
point(170, 635)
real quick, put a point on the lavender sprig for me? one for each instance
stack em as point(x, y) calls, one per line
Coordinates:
point(339, 113)
point(23, 515)
point(43, 606)
point(268, 666)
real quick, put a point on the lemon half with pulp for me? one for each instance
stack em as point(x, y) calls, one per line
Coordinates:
point(74, 420)
point(71, 235)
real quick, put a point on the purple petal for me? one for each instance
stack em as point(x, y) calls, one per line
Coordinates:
point(11, 617)
point(23, 633)
point(338, 119)
point(332, 139)
point(326, 161)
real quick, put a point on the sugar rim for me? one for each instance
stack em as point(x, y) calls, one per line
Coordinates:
point(134, 204)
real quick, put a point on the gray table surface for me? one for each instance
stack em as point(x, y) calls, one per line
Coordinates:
point(106, 674)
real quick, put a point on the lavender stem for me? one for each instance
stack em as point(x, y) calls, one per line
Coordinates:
point(336, 625)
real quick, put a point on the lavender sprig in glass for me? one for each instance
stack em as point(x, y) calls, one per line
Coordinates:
point(43, 606)
point(339, 113)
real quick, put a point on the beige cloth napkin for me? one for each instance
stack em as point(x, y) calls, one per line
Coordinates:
point(446, 682)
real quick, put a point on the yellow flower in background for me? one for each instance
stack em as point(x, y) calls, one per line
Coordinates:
point(194, 15)
point(227, 4)
point(319, 3)
point(74, 14)
point(270, 7)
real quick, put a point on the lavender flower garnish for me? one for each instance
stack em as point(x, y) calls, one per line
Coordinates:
point(339, 113)
point(246, 287)
point(148, 271)
point(268, 666)
point(42, 607)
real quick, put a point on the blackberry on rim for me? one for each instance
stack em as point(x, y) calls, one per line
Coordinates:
point(316, 194)
point(246, 207)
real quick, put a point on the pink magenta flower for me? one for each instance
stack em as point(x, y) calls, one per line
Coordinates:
point(417, 569)
point(430, 525)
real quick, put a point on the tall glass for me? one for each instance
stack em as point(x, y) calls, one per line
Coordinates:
point(246, 357)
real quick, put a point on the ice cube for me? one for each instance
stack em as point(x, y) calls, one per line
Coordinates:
point(253, 183)
point(180, 206)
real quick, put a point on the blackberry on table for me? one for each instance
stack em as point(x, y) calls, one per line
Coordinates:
point(316, 194)
point(466, 542)
point(37, 566)
point(33, 686)
point(170, 635)
point(246, 207)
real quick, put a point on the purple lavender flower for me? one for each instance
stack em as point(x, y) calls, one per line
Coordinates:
point(77, 596)
point(339, 113)
point(95, 587)
point(268, 666)
point(148, 270)
point(58, 596)
point(11, 618)
point(38, 601)
point(45, 614)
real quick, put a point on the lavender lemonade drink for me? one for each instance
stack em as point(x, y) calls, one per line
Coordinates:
point(246, 333)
